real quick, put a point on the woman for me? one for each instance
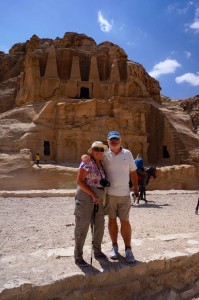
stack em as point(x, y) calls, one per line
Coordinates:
point(89, 193)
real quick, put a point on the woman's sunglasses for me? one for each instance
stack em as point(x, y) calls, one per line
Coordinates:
point(96, 149)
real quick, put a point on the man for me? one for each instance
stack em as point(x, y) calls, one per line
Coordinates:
point(119, 164)
point(140, 169)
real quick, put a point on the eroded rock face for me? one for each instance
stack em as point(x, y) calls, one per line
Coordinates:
point(58, 96)
point(19, 172)
point(74, 67)
point(191, 106)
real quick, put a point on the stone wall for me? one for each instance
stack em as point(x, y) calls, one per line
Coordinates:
point(176, 278)
point(18, 172)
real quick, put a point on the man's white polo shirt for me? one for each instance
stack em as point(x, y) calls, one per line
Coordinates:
point(117, 167)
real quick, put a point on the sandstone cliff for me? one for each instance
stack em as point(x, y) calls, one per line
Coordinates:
point(58, 96)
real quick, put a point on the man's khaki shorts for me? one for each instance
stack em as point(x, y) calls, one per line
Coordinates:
point(118, 206)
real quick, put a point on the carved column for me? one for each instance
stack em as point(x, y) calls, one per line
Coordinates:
point(114, 80)
point(94, 78)
point(51, 66)
point(115, 75)
point(75, 70)
point(94, 73)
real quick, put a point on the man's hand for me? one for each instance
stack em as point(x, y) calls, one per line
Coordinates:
point(136, 195)
point(134, 180)
point(85, 158)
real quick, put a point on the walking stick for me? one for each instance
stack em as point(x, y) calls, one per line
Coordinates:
point(95, 210)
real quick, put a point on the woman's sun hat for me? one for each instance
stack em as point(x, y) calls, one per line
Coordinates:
point(97, 144)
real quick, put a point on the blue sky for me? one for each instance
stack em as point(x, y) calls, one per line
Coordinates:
point(161, 35)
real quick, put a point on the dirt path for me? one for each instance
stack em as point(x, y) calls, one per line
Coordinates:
point(37, 234)
point(32, 223)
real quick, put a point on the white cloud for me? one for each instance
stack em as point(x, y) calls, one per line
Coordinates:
point(105, 25)
point(190, 78)
point(195, 24)
point(164, 67)
point(178, 8)
point(188, 54)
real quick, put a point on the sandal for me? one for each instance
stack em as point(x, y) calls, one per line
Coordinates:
point(100, 255)
point(81, 262)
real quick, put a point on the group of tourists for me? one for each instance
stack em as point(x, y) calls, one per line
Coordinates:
point(103, 183)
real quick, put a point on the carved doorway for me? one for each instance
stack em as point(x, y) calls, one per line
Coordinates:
point(46, 148)
point(84, 93)
point(165, 152)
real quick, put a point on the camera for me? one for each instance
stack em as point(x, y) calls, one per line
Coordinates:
point(104, 182)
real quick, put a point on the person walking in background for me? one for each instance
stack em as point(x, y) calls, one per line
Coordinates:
point(37, 158)
point(90, 180)
point(140, 168)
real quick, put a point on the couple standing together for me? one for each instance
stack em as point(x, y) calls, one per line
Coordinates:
point(105, 166)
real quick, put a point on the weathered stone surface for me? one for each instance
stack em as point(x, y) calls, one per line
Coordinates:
point(74, 59)
point(191, 107)
point(7, 94)
point(66, 124)
point(176, 177)
point(18, 172)
point(63, 94)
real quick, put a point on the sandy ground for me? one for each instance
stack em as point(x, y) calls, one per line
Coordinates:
point(37, 234)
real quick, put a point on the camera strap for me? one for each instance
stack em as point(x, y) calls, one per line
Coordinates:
point(97, 166)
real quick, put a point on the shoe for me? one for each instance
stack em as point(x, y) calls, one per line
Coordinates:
point(129, 256)
point(81, 262)
point(114, 252)
point(100, 255)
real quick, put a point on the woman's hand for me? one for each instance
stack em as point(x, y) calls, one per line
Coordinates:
point(80, 181)
point(95, 200)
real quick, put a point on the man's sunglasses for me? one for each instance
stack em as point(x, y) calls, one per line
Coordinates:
point(96, 149)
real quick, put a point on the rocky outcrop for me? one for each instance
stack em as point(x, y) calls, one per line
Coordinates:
point(18, 172)
point(191, 106)
point(8, 91)
point(58, 96)
point(68, 128)
point(74, 67)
